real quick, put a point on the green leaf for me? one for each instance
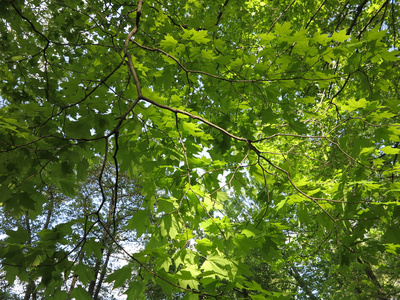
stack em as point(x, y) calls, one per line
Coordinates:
point(248, 233)
point(284, 29)
point(213, 268)
point(192, 142)
point(16, 58)
point(94, 247)
point(139, 222)
point(191, 297)
point(170, 226)
point(200, 37)
point(392, 235)
point(120, 276)
point(79, 293)
point(340, 36)
point(85, 274)
point(168, 42)
point(391, 248)
point(355, 104)
point(19, 236)
point(193, 129)
point(135, 290)
point(60, 295)
point(280, 205)
point(258, 297)
point(390, 150)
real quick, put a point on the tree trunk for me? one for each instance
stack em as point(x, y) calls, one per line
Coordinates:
point(301, 283)
point(30, 288)
point(102, 275)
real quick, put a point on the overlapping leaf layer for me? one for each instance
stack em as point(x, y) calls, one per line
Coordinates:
point(200, 149)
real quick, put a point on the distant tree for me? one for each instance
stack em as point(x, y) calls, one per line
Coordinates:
point(64, 221)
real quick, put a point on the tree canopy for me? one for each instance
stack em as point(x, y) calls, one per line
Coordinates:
point(200, 149)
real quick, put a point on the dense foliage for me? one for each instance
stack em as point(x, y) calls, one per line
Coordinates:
point(200, 149)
